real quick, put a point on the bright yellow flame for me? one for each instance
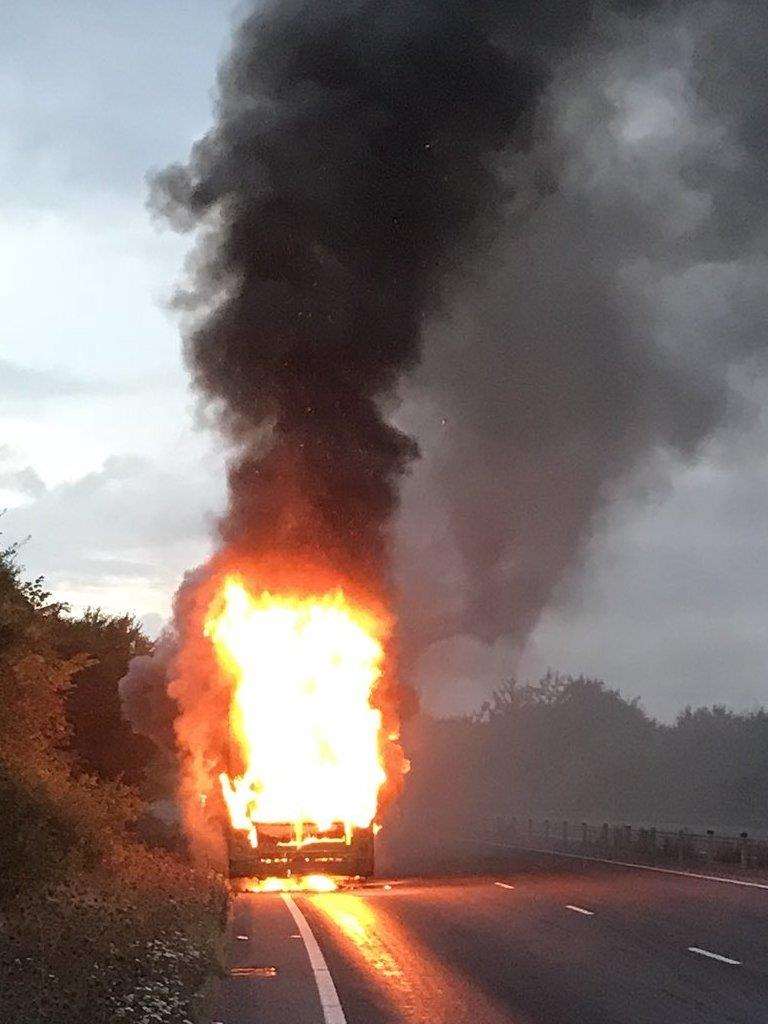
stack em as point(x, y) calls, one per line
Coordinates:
point(293, 883)
point(319, 883)
point(303, 669)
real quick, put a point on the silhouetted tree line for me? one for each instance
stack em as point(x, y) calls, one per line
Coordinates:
point(82, 658)
point(64, 797)
point(577, 749)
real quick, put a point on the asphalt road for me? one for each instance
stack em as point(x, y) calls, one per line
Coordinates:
point(540, 942)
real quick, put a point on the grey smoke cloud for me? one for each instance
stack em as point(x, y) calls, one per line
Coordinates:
point(541, 228)
point(608, 322)
point(144, 697)
point(349, 174)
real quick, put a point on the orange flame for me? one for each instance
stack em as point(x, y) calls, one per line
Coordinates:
point(303, 671)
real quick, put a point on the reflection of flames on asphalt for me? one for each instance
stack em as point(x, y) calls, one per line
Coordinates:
point(302, 725)
point(359, 924)
point(410, 979)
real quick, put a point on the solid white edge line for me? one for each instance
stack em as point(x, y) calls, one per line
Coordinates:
point(504, 885)
point(622, 864)
point(329, 997)
point(714, 956)
point(580, 910)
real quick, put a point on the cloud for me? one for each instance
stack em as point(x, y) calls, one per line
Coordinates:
point(22, 384)
point(25, 482)
point(93, 96)
point(124, 533)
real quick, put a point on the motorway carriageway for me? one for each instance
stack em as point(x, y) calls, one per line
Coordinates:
point(539, 943)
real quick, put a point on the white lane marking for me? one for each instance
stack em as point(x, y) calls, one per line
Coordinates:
point(329, 997)
point(580, 910)
point(504, 885)
point(625, 864)
point(714, 956)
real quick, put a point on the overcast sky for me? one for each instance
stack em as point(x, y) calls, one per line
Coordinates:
point(103, 468)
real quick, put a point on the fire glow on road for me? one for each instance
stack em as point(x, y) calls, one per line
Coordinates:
point(358, 922)
point(333, 1012)
point(292, 883)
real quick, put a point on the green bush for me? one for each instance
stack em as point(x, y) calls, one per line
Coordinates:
point(94, 926)
point(131, 941)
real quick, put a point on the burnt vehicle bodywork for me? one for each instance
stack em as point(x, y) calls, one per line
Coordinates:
point(279, 852)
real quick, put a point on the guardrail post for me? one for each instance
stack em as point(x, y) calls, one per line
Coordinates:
point(744, 849)
point(683, 846)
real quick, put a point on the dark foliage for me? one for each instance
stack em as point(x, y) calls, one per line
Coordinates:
point(102, 740)
point(93, 925)
point(574, 748)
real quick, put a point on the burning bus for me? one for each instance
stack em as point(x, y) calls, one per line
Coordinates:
point(306, 762)
point(277, 849)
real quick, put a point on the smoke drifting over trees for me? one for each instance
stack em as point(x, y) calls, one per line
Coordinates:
point(617, 313)
point(483, 226)
point(572, 748)
point(377, 174)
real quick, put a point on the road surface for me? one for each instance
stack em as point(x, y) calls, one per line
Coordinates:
point(541, 942)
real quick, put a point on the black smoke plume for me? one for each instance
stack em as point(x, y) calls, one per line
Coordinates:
point(349, 171)
point(392, 204)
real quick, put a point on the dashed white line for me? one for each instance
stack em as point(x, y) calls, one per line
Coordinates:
point(714, 956)
point(504, 885)
point(329, 997)
point(580, 910)
point(623, 864)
